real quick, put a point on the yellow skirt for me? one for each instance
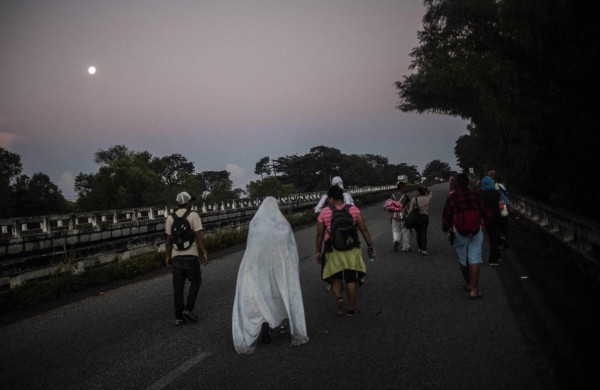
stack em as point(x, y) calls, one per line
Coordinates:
point(337, 261)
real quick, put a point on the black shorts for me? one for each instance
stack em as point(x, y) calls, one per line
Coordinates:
point(348, 275)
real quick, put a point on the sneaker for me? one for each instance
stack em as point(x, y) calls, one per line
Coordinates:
point(494, 263)
point(351, 313)
point(190, 316)
point(396, 245)
point(424, 253)
point(265, 332)
point(179, 322)
point(284, 327)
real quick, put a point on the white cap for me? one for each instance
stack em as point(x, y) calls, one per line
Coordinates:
point(184, 197)
point(337, 181)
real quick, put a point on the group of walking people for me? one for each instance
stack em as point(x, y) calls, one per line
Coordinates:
point(268, 294)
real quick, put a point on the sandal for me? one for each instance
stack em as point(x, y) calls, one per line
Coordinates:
point(190, 316)
point(475, 297)
point(339, 307)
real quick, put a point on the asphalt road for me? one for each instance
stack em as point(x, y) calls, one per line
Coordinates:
point(416, 329)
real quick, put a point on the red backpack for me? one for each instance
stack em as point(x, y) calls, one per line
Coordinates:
point(467, 222)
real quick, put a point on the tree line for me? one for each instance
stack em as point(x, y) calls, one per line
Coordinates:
point(524, 74)
point(127, 179)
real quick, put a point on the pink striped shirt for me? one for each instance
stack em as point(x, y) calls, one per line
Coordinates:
point(325, 216)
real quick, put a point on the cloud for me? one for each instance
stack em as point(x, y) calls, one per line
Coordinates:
point(238, 175)
point(67, 185)
point(6, 138)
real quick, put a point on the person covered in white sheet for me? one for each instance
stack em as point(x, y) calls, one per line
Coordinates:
point(268, 293)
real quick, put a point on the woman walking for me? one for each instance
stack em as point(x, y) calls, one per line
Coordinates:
point(421, 201)
point(342, 265)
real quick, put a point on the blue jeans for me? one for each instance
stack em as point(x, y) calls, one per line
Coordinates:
point(185, 267)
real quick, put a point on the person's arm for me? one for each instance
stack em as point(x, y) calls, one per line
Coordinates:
point(319, 240)
point(168, 249)
point(201, 247)
point(364, 231)
point(321, 203)
point(168, 241)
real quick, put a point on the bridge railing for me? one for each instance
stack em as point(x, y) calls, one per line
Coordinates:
point(580, 233)
point(34, 247)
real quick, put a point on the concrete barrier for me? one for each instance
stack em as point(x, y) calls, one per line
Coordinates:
point(38, 247)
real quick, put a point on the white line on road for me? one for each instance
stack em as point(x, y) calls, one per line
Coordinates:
point(170, 377)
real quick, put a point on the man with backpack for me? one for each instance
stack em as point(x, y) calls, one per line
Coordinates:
point(462, 219)
point(341, 257)
point(397, 206)
point(183, 244)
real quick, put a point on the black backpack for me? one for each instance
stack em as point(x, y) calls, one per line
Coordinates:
point(344, 235)
point(182, 234)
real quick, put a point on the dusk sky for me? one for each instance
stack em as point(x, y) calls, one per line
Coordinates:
point(224, 83)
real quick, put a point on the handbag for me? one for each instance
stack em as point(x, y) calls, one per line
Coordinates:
point(413, 219)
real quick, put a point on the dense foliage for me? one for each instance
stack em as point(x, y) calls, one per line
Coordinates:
point(523, 73)
point(23, 196)
point(313, 172)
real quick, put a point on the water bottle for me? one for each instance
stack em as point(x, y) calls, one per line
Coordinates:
point(371, 253)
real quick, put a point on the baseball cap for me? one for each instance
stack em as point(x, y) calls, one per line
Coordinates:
point(184, 197)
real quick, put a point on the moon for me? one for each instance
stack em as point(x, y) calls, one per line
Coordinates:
point(92, 70)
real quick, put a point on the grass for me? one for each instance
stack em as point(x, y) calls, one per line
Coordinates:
point(67, 280)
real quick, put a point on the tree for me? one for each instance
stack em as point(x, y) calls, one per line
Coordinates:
point(262, 167)
point(10, 168)
point(217, 185)
point(173, 170)
point(125, 179)
point(38, 196)
point(437, 169)
point(269, 186)
point(522, 73)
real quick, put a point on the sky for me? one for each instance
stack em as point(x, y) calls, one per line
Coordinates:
point(222, 82)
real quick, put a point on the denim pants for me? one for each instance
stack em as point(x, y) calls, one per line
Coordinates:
point(185, 267)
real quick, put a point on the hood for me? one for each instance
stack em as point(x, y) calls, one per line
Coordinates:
point(487, 183)
point(337, 181)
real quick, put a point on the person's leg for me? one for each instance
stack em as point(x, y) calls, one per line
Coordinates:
point(474, 279)
point(396, 234)
point(460, 245)
point(494, 238)
point(178, 287)
point(475, 259)
point(405, 237)
point(424, 234)
point(351, 278)
point(352, 292)
point(336, 288)
point(419, 232)
point(195, 276)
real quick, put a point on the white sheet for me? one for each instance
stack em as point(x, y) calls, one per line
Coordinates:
point(268, 283)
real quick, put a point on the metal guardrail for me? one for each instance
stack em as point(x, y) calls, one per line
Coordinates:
point(32, 247)
point(24, 226)
point(580, 233)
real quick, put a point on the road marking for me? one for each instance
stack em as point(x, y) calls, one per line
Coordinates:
point(170, 377)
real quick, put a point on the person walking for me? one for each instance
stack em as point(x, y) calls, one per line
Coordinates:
point(504, 205)
point(268, 293)
point(184, 242)
point(400, 234)
point(336, 181)
point(492, 198)
point(421, 201)
point(462, 218)
point(342, 266)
